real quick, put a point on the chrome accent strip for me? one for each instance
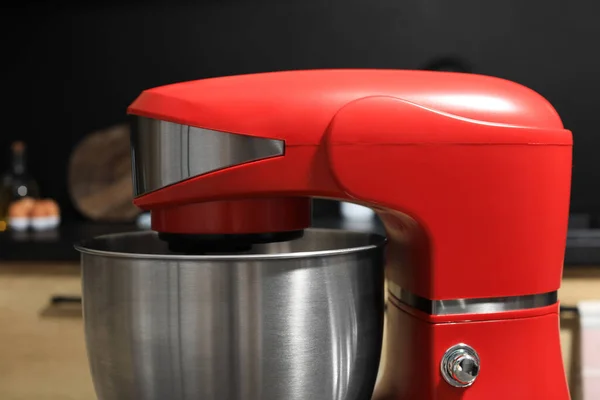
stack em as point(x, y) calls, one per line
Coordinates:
point(164, 153)
point(471, 306)
point(316, 242)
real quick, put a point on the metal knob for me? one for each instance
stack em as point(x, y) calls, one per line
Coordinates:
point(460, 365)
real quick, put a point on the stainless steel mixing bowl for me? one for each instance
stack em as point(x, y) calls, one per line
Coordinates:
point(297, 320)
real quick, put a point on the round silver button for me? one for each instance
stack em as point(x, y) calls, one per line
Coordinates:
point(460, 365)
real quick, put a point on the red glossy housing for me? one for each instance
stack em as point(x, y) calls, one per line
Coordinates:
point(469, 174)
point(520, 355)
point(235, 216)
point(472, 172)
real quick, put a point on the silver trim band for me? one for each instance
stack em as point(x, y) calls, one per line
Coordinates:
point(164, 153)
point(471, 306)
point(316, 242)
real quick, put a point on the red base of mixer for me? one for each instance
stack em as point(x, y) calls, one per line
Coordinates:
point(235, 216)
point(520, 357)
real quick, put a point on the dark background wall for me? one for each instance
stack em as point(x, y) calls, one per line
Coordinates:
point(69, 70)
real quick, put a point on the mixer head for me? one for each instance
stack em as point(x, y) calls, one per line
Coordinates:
point(165, 154)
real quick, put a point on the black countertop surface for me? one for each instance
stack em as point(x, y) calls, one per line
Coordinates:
point(57, 245)
point(54, 245)
point(583, 245)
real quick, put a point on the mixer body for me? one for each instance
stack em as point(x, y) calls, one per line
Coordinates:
point(469, 174)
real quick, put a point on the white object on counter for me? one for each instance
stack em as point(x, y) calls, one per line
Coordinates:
point(589, 316)
point(143, 221)
point(45, 223)
point(19, 223)
point(356, 212)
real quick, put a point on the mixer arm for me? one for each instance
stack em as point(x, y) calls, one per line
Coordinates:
point(428, 174)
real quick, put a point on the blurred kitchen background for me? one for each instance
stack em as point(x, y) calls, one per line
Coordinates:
point(69, 72)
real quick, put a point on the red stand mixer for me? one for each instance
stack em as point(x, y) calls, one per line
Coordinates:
point(469, 174)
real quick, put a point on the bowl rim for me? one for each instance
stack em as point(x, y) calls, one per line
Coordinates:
point(85, 247)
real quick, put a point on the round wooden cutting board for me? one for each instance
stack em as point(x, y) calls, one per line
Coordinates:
point(100, 182)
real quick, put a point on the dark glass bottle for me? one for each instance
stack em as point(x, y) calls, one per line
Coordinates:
point(16, 182)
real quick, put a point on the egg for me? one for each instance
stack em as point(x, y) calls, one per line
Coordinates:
point(46, 215)
point(21, 208)
point(39, 210)
point(19, 213)
point(18, 210)
point(52, 207)
point(28, 203)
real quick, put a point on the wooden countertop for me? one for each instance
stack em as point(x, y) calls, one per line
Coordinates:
point(42, 349)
